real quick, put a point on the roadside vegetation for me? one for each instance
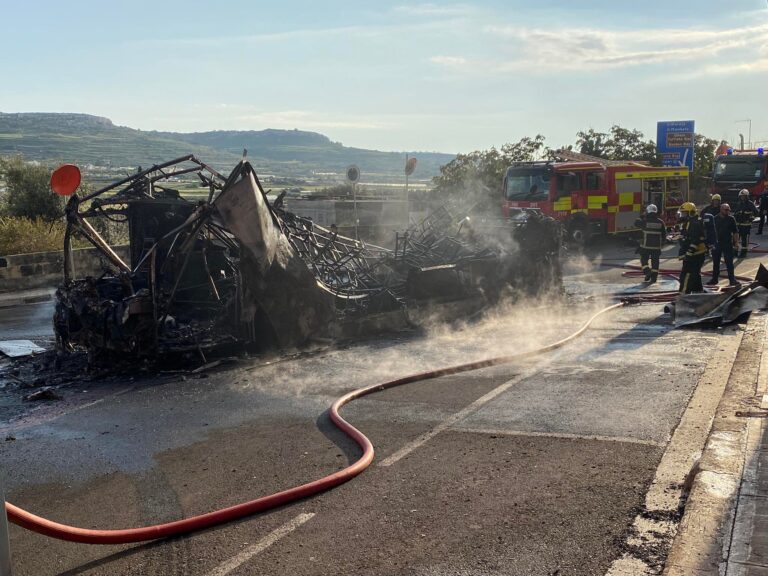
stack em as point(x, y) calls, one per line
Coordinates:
point(25, 235)
point(31, 216)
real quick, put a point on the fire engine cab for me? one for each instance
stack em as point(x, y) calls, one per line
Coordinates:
point(592, 196)
point(739, 169)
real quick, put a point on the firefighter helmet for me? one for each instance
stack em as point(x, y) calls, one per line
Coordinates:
point(651, 209)
point(743, 192)
point(716, 197)
point(688, 209)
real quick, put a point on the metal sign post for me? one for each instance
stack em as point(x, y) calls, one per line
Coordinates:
point(354, 204)
point(5, 546)
point(406, 179)
point(353, 175)
point(410, 166)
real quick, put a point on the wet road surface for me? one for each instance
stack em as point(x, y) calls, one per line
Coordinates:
point(27, 322)
point(535, 468)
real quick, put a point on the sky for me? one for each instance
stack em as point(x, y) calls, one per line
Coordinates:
point(448, 77)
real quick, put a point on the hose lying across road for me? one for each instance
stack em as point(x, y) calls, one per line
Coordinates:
point(88, 536)
point(631, 270)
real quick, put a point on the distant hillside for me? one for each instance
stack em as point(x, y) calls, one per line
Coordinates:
point(86, 139)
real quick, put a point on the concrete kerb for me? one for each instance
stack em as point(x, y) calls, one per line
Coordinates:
point(655, 527)
point(703, 537)
point(13, 299)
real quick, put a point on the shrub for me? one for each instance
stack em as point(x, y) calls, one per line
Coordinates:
point(22, 235)
point(28, 192)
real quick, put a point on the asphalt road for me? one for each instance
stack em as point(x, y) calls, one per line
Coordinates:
point(27, 322)
point(535, 468)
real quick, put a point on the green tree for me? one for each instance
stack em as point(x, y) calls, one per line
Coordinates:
point(703, 161)
point(28, 193)
point(625, 144)
point(619, 144)
point(592, 142)
point(482, 171)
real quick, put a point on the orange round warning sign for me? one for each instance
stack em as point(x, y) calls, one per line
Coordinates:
point(65, 179)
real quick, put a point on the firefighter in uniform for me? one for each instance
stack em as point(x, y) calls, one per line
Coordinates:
point(763, 207)
point(693, 248)
point(744, 213)
point(654, 233)
point(726, 243)
point(714, 206)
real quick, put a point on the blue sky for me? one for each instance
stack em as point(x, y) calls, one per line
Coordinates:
point(450, 77)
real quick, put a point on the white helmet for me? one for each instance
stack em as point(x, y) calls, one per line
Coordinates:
point(743, 192)
point(651, 209)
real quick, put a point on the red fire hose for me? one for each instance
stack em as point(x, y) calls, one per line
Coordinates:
point(87, 536)
point(631, 270)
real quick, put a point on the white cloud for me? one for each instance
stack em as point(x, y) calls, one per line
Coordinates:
point(430, 9)
point(262, 38)
point(449, 61)
point(563, 49)
point(758, 65)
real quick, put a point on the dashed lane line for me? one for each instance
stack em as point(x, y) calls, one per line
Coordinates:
point(458, 416)
point(239, 559)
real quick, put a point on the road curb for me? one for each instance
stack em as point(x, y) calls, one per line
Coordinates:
point(700, 546)
point(22, 298)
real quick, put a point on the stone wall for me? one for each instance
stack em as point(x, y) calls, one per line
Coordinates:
point(46, 269)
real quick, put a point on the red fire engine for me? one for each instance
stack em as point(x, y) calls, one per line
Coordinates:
point(739, 169)
point(592, 196)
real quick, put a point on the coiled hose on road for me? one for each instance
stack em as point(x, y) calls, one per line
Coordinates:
point(53, 529)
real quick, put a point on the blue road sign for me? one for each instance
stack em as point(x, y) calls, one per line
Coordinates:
point(674, 141)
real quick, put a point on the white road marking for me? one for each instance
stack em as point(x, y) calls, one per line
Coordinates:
point(238, 560)
point(460, 415)
point(565, 435)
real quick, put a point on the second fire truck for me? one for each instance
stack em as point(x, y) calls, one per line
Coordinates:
point(738, 169)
